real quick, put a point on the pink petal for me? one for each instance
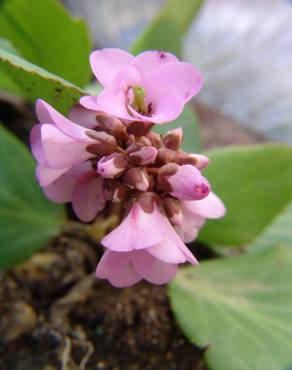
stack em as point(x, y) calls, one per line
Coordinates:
point(127, 77)
point(42, 112)
point(61, 189)
point(36, 144)
point(64, 124)
point(89, 102)
point(46, 175)
point(171, 249)
point(137, 231)
point(111, 263)
point(62, 150)
point(166, 109)
point(181, 79)
point(83, 116)
point(152, 269)
point(118, 269)
point(88, 197)
point(112, 101)
point(105, 63)
point(209, 207)
point(189, 229)
point(148, 61)
point(127, 278)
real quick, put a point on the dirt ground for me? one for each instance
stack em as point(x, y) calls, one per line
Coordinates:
point(55, 315)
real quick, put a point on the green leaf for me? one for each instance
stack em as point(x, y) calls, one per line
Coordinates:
point(36, 83)
point(6, 84)
point(182, 12)
point(6, 45)
point(255, 183)
point(167, 29)
point(188, 122)
point(240, 309)
point(27, 218)
point(279, 231)
point(46, 35)
point(162, 34)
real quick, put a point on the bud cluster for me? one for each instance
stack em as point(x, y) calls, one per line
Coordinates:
point(132, 160)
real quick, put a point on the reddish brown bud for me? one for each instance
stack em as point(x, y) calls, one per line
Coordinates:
point(120, 193)
point(106, 144)
point(144, 140)
point(137, 178)
point(155, 139)
point(143, 156)
point(139, 128)
point(173, 139)
point(133, 147)
point(165, 171)
point(198, 160)
point(167, 156)
point(112, 125)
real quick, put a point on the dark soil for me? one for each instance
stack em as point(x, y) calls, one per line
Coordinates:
point(54, 314)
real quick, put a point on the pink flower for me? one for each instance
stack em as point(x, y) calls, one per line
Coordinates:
point(150, 250)
point(195, 214)
point(60, 148)
point(152, 87)
point(103, 159)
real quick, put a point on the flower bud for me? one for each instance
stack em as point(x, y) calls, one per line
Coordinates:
point(143, 140)
point(143, 156)
point(112, 166)
point(137, 178)
point(120, 193)
point(112, 125)
point(173, 139)
point(167, 156)
point(198, 160)
point(173, 211)
point(138, 128)
point(155, 139)
point(105, 143)
point(183, 182)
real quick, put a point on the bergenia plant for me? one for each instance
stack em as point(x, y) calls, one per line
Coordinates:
point(105, 158)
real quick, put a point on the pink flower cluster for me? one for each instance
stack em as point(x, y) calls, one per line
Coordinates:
point(106, 154)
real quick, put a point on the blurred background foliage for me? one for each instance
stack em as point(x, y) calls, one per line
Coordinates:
point(244, 51)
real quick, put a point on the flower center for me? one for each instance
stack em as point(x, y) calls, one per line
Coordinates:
point(139, 100)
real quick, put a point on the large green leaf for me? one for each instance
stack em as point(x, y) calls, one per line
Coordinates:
point(35, 82)
point(167, 29)
point(240, 309)
point(46, 35)
point(255, 183)
point(6, 84)
point(188, 122)
point(279, 231)
point(27, 218)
